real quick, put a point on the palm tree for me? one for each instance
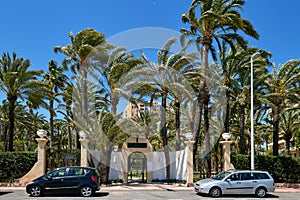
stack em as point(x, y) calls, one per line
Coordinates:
point(218, 20)
point(55, 80)
point(66, 111)
point(17, 81)
point(289, 125)
point(119, 64)
point(87, 45)
point(281, 85)
point(143, 120)
point(236, 73)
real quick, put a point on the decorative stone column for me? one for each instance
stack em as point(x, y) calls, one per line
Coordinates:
point(42, 155)
point(189, 163)
point(39, 167)
point(84, 152)
point(226, 151)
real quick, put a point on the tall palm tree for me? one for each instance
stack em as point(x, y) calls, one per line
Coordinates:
point(17, 81)
point(55, 80)
point(236, 71)
point(289, 125)
point(88, 44)
point(119, 63)
point(218, 20)
point(281, 85)
point(66, 111)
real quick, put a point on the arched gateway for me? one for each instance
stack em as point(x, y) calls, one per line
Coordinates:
point(137, 151)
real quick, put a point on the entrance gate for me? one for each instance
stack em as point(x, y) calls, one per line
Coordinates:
point(137, 160)
point(137, 163)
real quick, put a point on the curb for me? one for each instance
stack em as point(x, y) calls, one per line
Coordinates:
point(157, 187)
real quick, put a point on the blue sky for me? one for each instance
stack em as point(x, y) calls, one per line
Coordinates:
point(32, 28)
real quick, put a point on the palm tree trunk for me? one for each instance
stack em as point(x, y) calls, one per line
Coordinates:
point(164, 131)
point(51, 123)
point(242, 127)
point(275, 131)
point(202, 88)
point(10, 136)
point(114, 103)
point(198, 126)
point(207, 136)
point(177, 121)
point(104, 167)
point(288, 137)
point(69, 137)
point(226, 120)
point(84, 106)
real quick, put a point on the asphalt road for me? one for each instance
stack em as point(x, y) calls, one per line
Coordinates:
point(142, 195)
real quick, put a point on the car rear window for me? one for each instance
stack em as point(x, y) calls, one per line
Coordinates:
point(78, 171)
point(261, 176)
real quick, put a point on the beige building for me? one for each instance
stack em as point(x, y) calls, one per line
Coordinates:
point(282, 146)
point(131, 110)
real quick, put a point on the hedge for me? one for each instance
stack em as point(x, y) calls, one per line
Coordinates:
point(14, 165)
point(283, 169)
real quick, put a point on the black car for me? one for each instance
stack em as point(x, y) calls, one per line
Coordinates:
point(83, 180)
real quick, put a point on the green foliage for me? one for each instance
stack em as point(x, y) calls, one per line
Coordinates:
point(297, 139)
point(62, 157)
point(282, 168)
point(14, 165)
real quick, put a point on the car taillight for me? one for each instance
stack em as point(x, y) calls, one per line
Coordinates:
point(94, 178)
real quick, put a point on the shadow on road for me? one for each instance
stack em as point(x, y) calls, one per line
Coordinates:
point(242, 196)
point(4, 193)
point(97, 194)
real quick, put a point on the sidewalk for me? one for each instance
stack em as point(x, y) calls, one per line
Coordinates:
point(158, 187)
point(138, 186)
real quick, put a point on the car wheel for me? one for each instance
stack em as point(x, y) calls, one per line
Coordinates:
point(86, 191)
point(215, 192)
point(35, 191)
point(261, 192)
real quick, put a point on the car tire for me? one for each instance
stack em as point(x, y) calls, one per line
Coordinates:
point(35, 191)
point(86, 191)
point(215, 192)
point(261, 192)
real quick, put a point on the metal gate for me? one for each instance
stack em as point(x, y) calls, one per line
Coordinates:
point(137, 171)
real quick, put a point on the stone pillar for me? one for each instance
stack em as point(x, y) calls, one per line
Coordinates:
point(39, 167)
point(189, 163)
point(226, 155)
point(84, 152)
point(42, 154)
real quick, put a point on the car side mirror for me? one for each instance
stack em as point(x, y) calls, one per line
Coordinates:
point(49, 177)
point(228, 180)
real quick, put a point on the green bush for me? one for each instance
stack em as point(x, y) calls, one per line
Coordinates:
point(284, 169)
point(14, 165)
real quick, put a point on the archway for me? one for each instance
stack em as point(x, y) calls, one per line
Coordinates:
point(137, 167)
point(137, 148)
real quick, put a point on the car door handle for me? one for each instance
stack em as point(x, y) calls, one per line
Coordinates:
point(254, 181)
point(238, 182)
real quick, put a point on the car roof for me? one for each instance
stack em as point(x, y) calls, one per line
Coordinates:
point(75, 167)
point(245, 170)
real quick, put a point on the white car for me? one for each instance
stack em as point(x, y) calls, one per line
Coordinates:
point(237, 182)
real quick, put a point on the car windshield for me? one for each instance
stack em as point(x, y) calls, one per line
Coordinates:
point(221, 175)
